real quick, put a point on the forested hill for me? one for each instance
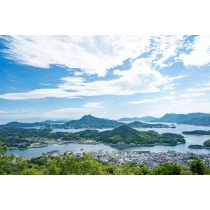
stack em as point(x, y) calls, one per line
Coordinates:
point(127, 135)
point(192, 119)
point(88, 121)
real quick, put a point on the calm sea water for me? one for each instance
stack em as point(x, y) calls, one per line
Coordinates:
point(190, 139)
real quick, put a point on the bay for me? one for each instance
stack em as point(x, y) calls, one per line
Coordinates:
point(190, 139)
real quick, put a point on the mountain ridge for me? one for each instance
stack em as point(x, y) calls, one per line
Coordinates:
point(197, 118)
point(146, 118)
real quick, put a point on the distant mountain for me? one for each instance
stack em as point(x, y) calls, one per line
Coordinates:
point(54, 121)
point(145, 119)
point(192, 119)
point(137, 124)
point(22, 125)
point(88, 121)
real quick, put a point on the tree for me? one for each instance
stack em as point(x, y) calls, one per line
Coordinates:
point(167, 169)
point(3, 149)
point(197, 166)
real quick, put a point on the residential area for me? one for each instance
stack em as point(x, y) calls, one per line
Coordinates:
point(150, 159)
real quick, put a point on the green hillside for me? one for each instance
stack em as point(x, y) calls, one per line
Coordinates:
point(126, 135)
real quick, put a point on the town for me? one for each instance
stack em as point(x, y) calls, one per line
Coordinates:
point(150, 159)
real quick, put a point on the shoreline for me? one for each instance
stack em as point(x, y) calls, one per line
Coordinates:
point(124, 146)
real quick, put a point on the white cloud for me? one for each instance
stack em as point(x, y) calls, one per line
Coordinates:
point(38, 93)
point(44, 84)
point(169, 86)
point(192, 95)
point(3, 112)
point(97, 54)
point(92, 54)
point(93, 105)
point(140, 78)
point(142, 101)
point(200, 54)
point(198, 89)
point(164, 48)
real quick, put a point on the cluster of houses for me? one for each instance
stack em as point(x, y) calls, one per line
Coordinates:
point(150, 159)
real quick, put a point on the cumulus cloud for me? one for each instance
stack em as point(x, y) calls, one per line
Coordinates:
point(199, 54)
point(92, 54)
point(140, 78)
point(97, 54)
point(164, 48)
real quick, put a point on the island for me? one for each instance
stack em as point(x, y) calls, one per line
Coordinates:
point(122, 135)
point(137, 124)
point(196, 132)
point(206, 145)
point(125, 136)
point(195, 146)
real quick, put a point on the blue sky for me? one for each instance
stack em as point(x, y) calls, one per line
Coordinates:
point(66, 77)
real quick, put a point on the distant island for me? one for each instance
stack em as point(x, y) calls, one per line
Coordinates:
point(202, 119)
point(206, 145)
point(137, 124)
point(87, 121)
point(125, 135)
point(140, 119)
point(195, 146)
point(196, 132)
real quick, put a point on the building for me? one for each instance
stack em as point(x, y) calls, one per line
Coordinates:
point(53, 153)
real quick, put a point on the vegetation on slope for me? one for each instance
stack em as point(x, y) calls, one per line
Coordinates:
point(70, 165)
point(125, 134)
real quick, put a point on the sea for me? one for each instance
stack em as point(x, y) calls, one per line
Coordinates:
point(190, 139)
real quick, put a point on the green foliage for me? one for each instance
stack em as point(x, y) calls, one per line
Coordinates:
point(206, 143)
point(87, 165)
point(198, 167)
point(167, 169)
point(128, 135)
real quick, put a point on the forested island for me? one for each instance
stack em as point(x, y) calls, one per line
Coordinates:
point(196, 132)
point(206, 145)
point(122, 135)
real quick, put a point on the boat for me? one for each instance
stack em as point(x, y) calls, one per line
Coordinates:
point(82, 149)
point(173, 126)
